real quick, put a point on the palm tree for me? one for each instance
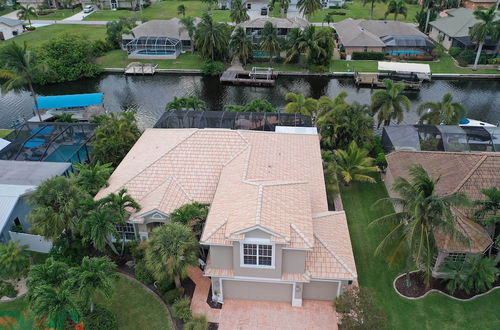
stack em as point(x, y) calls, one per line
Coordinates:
point(297, 103)
point(309, 7)
point(305, 42)
point(92, 276)
point(119, 203)
point(420, 212)
point(181, 10)
point(476, 272)
point(238, 12)
point(487, 26)
point(188, 25)
point(14, 260)
point(396, 7)
point(20, 67)
point(92, 177)
point(210, 37)
point(186, 103)
point(429, 5)
point(488, 209)
point(388, 104)
point(193, 215)
point(445, 112)
point(354, 164)
point(241, 44)
point(50, 273)
point(195, 103)
point(326, 104)
point(99, 228)
point(172, 249)
point(56, 305)
point(270, 42)
point(328, 19)
point(372, 5)
point(284, 4)
point(25, 13)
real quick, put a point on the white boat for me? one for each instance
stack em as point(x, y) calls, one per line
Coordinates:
point(474, 123)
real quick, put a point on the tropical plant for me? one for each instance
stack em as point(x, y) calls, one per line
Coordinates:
point(430, 6)
point(476, 273)
point(186, 103)
point(92, 177)
point(328, 19)
point(354, 164)
point(388, 104)
point(56, 207)
point(115, 30)
point(238, 12)
point(331, 182)
point(396, 7)
point(193, 215)
point(270, 42)
point(421, 18)
point(240, 44)
point(310, 42)
point(197, 323)
point(65, 118)
point(55, 304)
point(487, 211)
point(181, 10)
point(172, 249)
point(188, 24)
point(94, 275)
point(309, 7)
point(372, 5)
point(257, 105)
point(114, 137)
point(420, 212)
point(327, 104)
point(297, 103)
point(284, 4)
point(14, 260)
point(210, 38)
point(99, 228)
point(488, 26)
point(25, 13)
point(19, 69)
point(181, 309)
point(445, 112)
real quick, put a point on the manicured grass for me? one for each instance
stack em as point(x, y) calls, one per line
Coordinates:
point(42, 34)
point(278, 67)
point(357, 10)
point(136, 308)
point(161, 10)
point(118, 59)
point(432, 312)
point(57, 14)
point(6, 11)
point(4, 132)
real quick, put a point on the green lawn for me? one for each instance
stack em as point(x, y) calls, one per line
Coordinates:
point(278, 67)
point(6, 11)
point(4, 132)
point(42, 34)
point(432, 312)
point(118, 59)
point(57, 14)
point(161, 10)
point(134, 308)
point(357, 10)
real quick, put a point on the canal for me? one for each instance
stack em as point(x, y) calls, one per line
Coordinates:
point(150, 94)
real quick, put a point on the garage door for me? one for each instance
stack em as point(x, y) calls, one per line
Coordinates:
point(320, 290)
point(257, 291)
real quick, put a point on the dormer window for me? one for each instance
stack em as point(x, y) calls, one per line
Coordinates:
point(257, 255)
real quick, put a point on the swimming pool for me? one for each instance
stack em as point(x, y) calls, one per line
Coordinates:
point(404, 52)
point(157, 52)
point(260, 54)
point(68, 153)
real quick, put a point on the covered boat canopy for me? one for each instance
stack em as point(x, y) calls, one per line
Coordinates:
point(69, 101)
point(404, 67)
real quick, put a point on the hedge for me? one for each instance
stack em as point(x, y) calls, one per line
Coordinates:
point(368, 56)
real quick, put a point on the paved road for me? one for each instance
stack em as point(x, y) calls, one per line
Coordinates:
point(66, 21)
point(77, 17)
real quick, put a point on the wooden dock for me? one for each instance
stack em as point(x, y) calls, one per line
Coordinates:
point(251, 78)
point(141, 68)
point(373, 80)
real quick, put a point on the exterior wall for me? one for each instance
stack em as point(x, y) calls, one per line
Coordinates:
point(434, 34)
point(475, 5)
point(257, 290)
point(21, 211)
point(257, 271)
point(294, 261)
point(9, 32)
point(350, 50)
point(221, 257)
point(34, 242)
point(319, 290)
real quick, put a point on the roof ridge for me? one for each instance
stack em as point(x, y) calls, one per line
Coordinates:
point(216, 229)
point(472, 171)
point(474, 153)
point(259, 205)
point(335, 256)
point(297, 230)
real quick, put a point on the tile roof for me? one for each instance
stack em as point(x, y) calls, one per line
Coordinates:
point(161, 28)
point(466, 172)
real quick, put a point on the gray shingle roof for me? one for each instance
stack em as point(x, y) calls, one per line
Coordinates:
point(10, 22)
point(160, 28)
point(29, 173)
point(457, 23)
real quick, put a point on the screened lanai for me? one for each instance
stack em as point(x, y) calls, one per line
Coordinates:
point(154, 47)
point(441, 138)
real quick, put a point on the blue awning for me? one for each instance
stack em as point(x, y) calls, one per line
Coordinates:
point(69, 101)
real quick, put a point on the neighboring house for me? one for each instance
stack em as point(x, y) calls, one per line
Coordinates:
point(270, 233)
point(453, 30)
point(34, 3)
point(16, 180)
point(284, 25)
point(390, 37)
point(116, 4)
point(169, 34)
point(466, 173)
point(9, 28)
point(477, 4)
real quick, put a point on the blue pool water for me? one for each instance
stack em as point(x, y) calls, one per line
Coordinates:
point(67, 153)
point(159, 52)
point(260, 54)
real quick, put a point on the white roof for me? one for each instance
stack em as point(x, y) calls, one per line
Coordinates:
point(296, 130)
point(404, 67)
point(9, 194)
point(3, 143)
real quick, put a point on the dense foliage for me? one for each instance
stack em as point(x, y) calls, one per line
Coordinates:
point(181, 309)
point(354, 164)
point(378, 56)
point(14, 260)
point(358, 310)
point(100, 318)
point(186, 103)
point(115, 30)
point(193, 215)
point(257, 105)
point(475, 273)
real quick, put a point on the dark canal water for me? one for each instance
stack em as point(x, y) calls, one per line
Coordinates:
point(149, 94)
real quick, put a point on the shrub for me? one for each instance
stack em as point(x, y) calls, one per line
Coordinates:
point(212, 68)
point(358, 310)
point(181, 309)
point(466, 57)
point(338, 13)
point(454, 51)
point(197, 323)
point(319, 68)
point(494, 60)
point(165, 285)
point(381, 162)
point(100, 47)
point(368, 56)
point(30, 28)
point(100, 318)
point(138, 251)
point(7, 290)
point(143, 274)
point(172, 295)
point(438, 51)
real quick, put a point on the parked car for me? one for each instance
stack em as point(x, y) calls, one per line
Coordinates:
point(88, 9)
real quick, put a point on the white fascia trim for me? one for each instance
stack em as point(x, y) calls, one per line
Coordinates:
point(210, 244)
point(298, 249)
point(257, 279)
point(322, 279)
point(151, 212)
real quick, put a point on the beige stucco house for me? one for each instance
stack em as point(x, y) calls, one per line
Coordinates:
point(269, 231)
point(9, 28)
point(466, 172)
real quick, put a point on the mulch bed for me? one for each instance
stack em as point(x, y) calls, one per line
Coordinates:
point(210, 302)
point(417, 287)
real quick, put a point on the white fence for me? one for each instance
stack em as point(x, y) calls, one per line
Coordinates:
point(35, 243)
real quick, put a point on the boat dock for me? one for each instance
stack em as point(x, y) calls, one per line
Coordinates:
point(141, 68)
point(375, 80)
point(256, 77)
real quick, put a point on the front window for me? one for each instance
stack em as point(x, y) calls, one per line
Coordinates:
point(258, 255)
point(456, 257)
point(126, 230)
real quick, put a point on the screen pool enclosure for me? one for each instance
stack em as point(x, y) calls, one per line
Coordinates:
point(150, 47)
point(441, 138)
point(260, 121)
point(51, 142)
